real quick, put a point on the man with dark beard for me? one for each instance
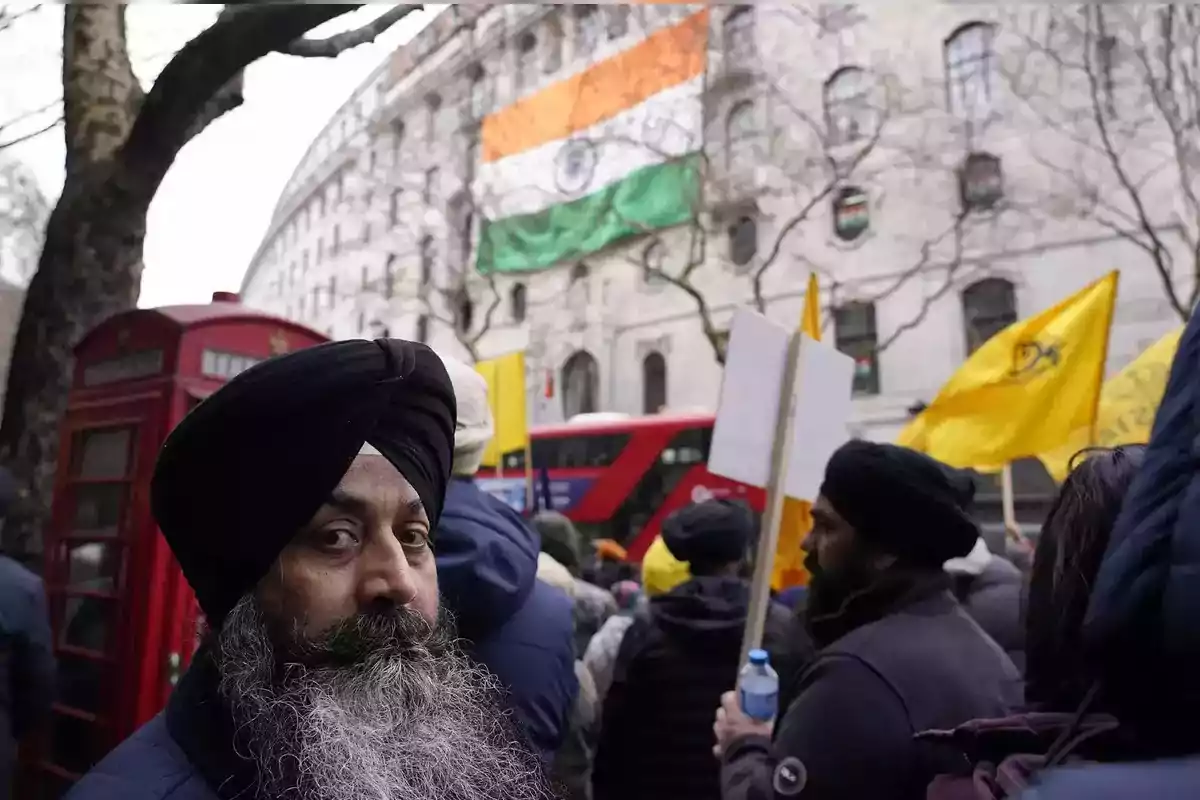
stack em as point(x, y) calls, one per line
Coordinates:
point(898, 654)
point(300, 501)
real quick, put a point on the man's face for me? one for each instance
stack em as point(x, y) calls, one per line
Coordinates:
point(838, 561)
point(343, 682)
point(366, 549)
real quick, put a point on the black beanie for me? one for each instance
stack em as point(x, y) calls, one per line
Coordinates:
point(904, 502)
point(709, 534)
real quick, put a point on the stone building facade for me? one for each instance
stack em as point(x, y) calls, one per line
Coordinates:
point(944, 168)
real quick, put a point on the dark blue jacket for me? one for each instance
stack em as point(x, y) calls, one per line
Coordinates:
point(26, 661)
point(1141, 620)
point(517, 626)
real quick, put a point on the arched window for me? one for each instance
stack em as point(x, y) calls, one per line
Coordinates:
point(579, 272)
point(552, 43)
point(617, 22)
point(738, 32)
point(581, 384)
point(527, 61)
point(743, 241)
point(848, 113)
point(989, 306)
point(654, 383)
point(464, 311)
point(422, 332)
point(517, 302)
point(481, 91)
point(741, 136)
point(588, 26)
point(970, 62)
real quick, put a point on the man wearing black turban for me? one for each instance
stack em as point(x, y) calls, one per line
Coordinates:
point(899, 654)
point(301, 501)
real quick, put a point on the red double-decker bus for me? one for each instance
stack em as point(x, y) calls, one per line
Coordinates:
point(618, 477)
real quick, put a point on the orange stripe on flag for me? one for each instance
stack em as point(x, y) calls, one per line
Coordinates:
point(665, 58)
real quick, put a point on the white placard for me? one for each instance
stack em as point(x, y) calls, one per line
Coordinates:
point(821, 415)
point(744, 430)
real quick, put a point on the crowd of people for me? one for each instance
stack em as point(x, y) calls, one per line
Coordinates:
point(380, 628)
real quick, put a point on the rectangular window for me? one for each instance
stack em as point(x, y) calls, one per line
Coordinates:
point(394, 208)
point(579, 451)
point(336, 245)
point(389, 276)
point(426, 260)
point(854, 332)
point(366, 278)
point(431, 184)
point(332, 291)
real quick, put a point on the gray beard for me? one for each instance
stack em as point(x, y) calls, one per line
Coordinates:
point(404, 716)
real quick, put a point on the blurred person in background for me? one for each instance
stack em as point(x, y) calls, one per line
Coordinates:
point(560, 541)
point(27, 669)
point(520, 628)
point(897, 654)
point(329, 670)
point(661, 572)
point(990, 588)
point(677, 658)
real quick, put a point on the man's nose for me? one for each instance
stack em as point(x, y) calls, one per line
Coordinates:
point(386, 573)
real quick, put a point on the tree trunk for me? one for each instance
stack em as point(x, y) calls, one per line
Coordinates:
point(91, 262)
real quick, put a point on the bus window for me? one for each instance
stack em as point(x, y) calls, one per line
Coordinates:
point(685, 450)
point(580, 451)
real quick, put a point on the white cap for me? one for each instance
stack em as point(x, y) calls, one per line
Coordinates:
point(973, 563)
point(475, 427)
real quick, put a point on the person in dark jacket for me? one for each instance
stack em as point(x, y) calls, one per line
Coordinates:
point(27, 670)
point(520, 628)
point(990, 588)
point(898, 654)
point(1140, 625)
point(676, 660)
point(328, 671)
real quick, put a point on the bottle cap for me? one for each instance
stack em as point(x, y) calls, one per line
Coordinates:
point(758, 657)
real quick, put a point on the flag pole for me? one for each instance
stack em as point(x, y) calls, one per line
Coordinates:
point(1092, 432)
point(1008, 501)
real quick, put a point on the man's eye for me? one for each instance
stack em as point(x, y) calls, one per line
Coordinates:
point(335, 540)
point(413, 538)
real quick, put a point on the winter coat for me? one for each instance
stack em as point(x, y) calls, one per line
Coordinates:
point(27, 673)
point(993, 599)
point(1141, 620)
point(601, 655)
point(675, 662)
point(572, 768)
point(590, 605)
point(921, 664)
point(520, 628)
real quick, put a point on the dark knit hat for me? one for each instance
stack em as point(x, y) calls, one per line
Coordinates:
point(906, 503)
point(709, 534)
point(251, 465)
point(560, 539)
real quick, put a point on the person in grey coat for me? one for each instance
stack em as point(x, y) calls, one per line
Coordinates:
point(989, 588)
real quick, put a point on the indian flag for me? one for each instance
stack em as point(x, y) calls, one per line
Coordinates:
point(602, 155)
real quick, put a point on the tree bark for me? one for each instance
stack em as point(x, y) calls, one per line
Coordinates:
point(120, 144)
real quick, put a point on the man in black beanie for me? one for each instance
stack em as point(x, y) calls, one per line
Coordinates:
point(301, 501)
point(676, 659)
point(898, 655)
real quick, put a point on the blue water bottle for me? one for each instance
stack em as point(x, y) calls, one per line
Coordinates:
point(758, 688)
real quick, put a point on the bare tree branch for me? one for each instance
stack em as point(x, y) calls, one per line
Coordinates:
point(332, 46)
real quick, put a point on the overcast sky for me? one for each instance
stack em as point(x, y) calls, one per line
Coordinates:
point(211, 211)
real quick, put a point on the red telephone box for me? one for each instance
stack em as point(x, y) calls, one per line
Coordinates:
point(124, 619)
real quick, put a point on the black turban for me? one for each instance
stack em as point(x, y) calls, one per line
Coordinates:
point(904, 502)
point(252, 464)
point(709, 534)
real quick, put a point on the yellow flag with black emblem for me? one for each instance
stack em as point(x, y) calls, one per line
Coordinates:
point(505, 378)
point(1128, 403)
point(1026, 390)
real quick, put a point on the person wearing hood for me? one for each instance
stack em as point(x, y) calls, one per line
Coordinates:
point(518, 627)
point(560, 542)
point(676, 659)
point(898, 654)
point(989, 588)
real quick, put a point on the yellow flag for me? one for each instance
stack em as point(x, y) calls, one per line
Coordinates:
point(797, 514)
point(1026, 389)
point(1128, 403)
point(505, 378)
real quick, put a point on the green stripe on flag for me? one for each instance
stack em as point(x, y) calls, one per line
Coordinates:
point(649, 198)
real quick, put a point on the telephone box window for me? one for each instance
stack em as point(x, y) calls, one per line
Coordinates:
point(98, 508)
point(87, 624)
point(93, 566)
point(224, 366)
point(851, 213)
point(102, 454)
point(144, 364)
point(80, 682)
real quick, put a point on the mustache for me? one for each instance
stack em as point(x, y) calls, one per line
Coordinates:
point(382, 632)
